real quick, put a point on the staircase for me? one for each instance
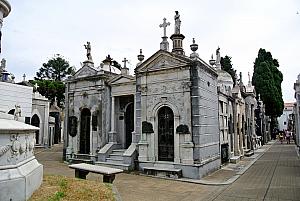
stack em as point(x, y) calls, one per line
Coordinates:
point(115, 160)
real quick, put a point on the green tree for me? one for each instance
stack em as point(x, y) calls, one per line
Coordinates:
point(227, 66)
point(57, 68)
point(49, 78)
point(267, 80)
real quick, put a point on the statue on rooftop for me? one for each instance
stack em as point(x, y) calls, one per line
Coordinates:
point(177, 22)
point(88, 51)
point(3, 64)
point(218, 56)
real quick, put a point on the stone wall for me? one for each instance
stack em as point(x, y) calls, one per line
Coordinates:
point(205, 114)
point(16, 95)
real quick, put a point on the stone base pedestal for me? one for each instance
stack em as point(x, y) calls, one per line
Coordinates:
point(112, 137)
point(20, 181)
point(143, 151)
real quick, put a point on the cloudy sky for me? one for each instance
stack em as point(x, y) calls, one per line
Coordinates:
point(36, 30)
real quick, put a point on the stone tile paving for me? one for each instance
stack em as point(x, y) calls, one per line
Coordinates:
point(275, 176)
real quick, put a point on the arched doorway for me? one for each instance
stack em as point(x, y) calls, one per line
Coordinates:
point(165, 134)
point(129, 124)
point(85, 131)
point(35, 121)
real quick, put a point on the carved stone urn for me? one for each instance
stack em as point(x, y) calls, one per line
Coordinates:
point(20, 172)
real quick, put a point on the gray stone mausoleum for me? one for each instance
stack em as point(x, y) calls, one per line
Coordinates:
point(162, 120)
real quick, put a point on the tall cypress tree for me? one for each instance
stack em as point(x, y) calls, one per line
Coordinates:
point(267, 80)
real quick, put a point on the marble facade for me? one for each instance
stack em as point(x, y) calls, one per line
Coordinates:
point(176, 113)
point(115, 119)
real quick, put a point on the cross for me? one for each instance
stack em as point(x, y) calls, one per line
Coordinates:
point(164, 25)
point(125, 61)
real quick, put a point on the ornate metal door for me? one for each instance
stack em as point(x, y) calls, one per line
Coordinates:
point(85, 131)
point(165, 134)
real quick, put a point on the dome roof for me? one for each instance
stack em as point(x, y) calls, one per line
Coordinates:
point(224, 78)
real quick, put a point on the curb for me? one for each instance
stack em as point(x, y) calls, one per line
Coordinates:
point(116, 193)
point(229, 181)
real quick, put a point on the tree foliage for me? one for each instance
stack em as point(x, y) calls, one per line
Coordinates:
point(227, 66)
point(52, 90)
point(57, 68)
point(50, 76)
point(267, 80)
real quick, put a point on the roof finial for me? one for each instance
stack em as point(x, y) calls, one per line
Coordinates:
point(249, 79)
point(194, 48)
point(212, 62)
point(164, 45)
point(164, 26)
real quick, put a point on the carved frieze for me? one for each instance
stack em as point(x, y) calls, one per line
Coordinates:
point(163, 88)
point(18, 147)
point(4, 149)
point(186, 85)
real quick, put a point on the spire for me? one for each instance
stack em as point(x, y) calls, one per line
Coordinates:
point(164, 45)
point(177, 37)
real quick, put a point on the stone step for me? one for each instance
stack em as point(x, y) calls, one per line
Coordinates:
point(114, 165)
point(249, 153)
point(164, 165)
point(78, 160)
point(116, 156)
point(114, 161)
point(247, 150)
point(82, 156)
point(163, 172)
point(118, 151)
point(234, 159)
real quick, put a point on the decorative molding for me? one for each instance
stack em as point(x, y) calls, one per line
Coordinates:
point(4, 149)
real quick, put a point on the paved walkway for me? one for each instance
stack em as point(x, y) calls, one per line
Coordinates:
point(275, 176)
point(273, 173)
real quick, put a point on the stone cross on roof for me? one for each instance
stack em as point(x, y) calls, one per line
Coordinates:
point(125, 61)
point(164, 25)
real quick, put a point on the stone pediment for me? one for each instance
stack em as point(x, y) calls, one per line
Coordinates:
point(163, 60)
point(85, 71)
point(121, 79)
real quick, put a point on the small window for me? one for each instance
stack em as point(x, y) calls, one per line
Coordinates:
point(27, 120)
point(284, 123)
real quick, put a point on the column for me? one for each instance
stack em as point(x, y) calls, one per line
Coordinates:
point(134, 138)
point(112, 121)
point(112, 133)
